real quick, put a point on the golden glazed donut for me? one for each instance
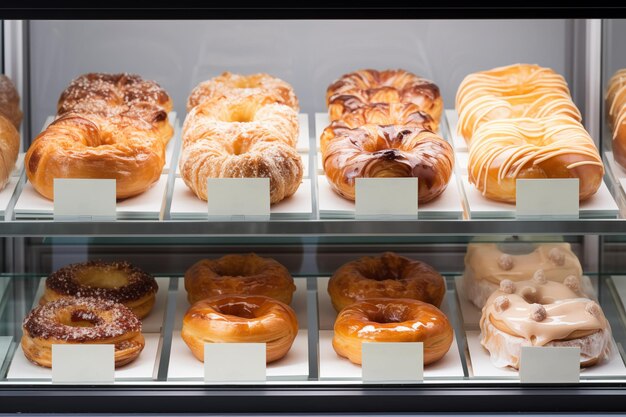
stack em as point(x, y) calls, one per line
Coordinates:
point(514, 91)
point(364, 87)
point(486, 266)
point(229, 85)
point(553, 147)
point(616, 114)
point(129, 95)
point(90, 146)
point(543, 313)
point(9, 149)
point(373, 151)
point(81, 321)
point(392, 320)
point(240, 275)
point(119, 282)
point(385, 276)
point(10, 102)
point(240, 319)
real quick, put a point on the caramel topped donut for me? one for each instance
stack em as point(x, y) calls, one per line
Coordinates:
point(543, 313)
point(10, 102)
point(361, 88)
point(373, 151)
point(119, 282)
point(239, 274)
point(81, 320)
point(231, 85)
point(392, 320)
point(385, 276)
point(240, 319)
point(123, 94)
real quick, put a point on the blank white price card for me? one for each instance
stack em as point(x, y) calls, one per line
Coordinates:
point(378, 198)
point(83, 364)
point(388, 362)
point(84, 199)
point(234, 362)
point(549, 365)
point(550, 198)
point(235, 198)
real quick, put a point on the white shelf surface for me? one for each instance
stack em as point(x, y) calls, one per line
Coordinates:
point(458, 142)
point(187, 206)
point(482, 367)
point(6, 195)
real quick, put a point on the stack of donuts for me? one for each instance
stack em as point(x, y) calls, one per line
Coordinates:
point(616, 114)
point(520, 122)
point(112, 126)
point(90, 303)
point(383, 124)
point(389, 298)
point(241, 126)
point(10, 120)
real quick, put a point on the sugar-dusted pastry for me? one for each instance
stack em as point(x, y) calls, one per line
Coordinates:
point(540, 312)
point(486, 266)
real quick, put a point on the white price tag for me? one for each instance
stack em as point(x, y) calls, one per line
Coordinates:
point(393, 362)
point(558, 197)
point(379, 198)
point(83, 364)
point(84, 199)
point(234, 362)
point(235, 198)
point(549, 365)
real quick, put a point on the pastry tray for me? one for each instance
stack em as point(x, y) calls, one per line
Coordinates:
point(187, 206)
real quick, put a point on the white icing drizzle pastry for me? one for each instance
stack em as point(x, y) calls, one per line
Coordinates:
point(616, 114)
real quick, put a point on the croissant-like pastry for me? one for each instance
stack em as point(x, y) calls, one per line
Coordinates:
point(89, 146)
point(374, 151)
point(10, 102)
point(9, 148)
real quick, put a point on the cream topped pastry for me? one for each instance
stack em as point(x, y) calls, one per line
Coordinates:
point(540, 312)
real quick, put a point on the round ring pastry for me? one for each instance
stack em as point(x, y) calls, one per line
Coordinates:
point(556, 147)
point(361, 88)
point(239, 274)
point(89, 146)
point(543, 313)
point(514, 91)
point(81, 321)
point(245, 119)
point(240, 319)
point(373, 151)
point(10, 102)
point(616, 114)
point(486, 266)
point(129, 95)
point(385, 276)
point(392, 320)
point(228, 85)
point(119, 282)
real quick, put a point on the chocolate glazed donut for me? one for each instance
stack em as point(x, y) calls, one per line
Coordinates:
point(373, 151)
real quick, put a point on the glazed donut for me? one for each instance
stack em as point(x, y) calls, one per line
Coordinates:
point(244, 119)
point(486, 266)
point(90, 146)
point(9, 149)
point(240, 319)
point(392, 320)
point(229, 85)
point(543, 313)
point(81, 321)
point(385, 276)
point(10, 102)
point(553, 147)
point(514, 91)
point(129, 95)
point(373, 151)
point(616, 114)
point(247, 274)
point(361, 88)
point(119, 282)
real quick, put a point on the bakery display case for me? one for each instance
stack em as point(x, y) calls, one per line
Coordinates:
point(252, 216)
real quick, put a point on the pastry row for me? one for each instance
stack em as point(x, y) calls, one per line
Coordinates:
point(534, 296)
point(519, 122)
